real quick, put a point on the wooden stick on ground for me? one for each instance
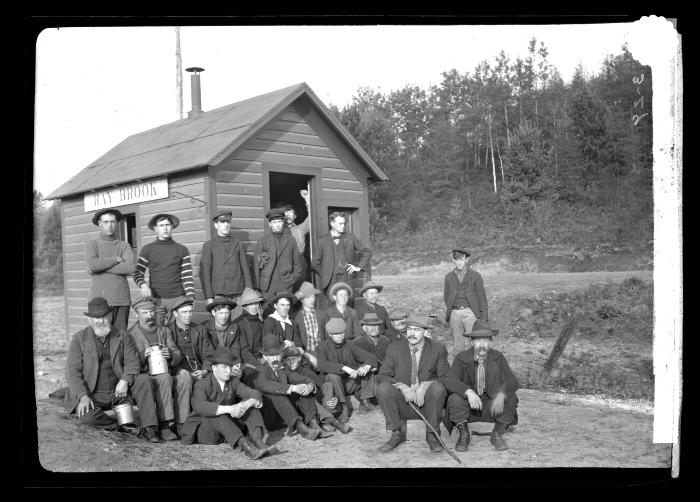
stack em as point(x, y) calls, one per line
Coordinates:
point(425, 420)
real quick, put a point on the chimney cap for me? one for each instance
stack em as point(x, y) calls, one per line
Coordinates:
point(194, 69)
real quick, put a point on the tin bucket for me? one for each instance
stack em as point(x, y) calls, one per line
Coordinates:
point(124, 411)
point(157, 363)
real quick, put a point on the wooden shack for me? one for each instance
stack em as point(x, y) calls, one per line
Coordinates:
point(247, 157)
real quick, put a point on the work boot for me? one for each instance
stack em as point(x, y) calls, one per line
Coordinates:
point(306, 432)
point(151, 434)
point(397, 437)
point(433, 442)
point(344, 414)
point(260, 441)
point(129, 429)
point(179, 428)
point(464, 436)
point(313, 424)
point(497, 437)
point(327, 426)
point(166, 434)
point(251, 450)
point(344, 428)
point(365, 405)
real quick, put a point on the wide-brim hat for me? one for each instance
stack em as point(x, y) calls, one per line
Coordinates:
point(306, 289)
point(275, 298)
point(98, 307)
point(250, 296)
point(339, 285)
point(371, 319)
point(98, 214)
point(221, 213)
point(481, 329)
point(144, 303)
point(396, 315)
point(274, 214)
point(182, 303)
point(418, 320)
point(271, 345)
point(371, 285)
point(291, 352)
point(219, 302)
point(461, 249)
point(335, 325)
point(174, 220)
point(224, 355)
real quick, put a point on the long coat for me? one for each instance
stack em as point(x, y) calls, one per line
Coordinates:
point(432, 366)
point(207, 396)
point(331, 360)
point(165, 338)
point(324, 260)
point(249, 339)
point(267, 382)
point(200, 344)
point(223, 269)
point(476, 294)
point(499, 377)
point(272, 326)
point(83, 363)
point(282, 262)
point(321, 320)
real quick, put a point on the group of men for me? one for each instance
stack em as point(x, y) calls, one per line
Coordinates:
point(294, 355)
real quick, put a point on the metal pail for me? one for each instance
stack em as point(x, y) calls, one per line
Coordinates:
point(124, 412)
point(157, 363)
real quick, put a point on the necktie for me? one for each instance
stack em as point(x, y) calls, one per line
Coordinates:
point(414, 367)
point(480, 375)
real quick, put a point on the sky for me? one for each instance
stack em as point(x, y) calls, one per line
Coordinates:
point(96, 86)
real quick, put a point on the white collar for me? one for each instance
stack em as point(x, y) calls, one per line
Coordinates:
point(275, 315)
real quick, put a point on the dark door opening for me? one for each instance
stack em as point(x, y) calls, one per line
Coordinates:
point(127, 230)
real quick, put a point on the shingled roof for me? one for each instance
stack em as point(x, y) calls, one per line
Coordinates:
point(197, 142)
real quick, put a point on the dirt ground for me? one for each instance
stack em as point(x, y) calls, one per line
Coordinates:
point(555, 429)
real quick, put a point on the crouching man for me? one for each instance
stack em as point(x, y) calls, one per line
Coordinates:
point(413, 371)
point(223, 408)
point(103, 364)
point(482, 389)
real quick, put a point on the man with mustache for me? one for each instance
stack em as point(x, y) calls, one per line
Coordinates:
point(368, 305)
point(482, 389)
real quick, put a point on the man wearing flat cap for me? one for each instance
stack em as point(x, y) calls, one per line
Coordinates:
point(339, 294)
point(347, 369)
point(223, 268)
point(224, 407)
point(368, 305)
point(276, 261)
point(310, 320)
point(413, 373)
point(169, 267)
point(465, 298)
point(103, 366)
point(397, 331)
point(148, 336)
point(286, 395)
point(482, 389)
point(110, 261)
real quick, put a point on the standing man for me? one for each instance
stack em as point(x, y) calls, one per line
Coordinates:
point(340, 255)
point(299, 232)
point(223, 268)
point(465, 298)
point(102, 364)
point(276, 261)
point(368, 305)
point(413, 372)
point(169, 266)
point(482, 389)
point(109, 262)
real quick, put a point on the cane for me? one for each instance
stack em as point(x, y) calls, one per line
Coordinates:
point(425, 420)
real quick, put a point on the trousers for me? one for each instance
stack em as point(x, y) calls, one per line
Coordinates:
point(215, 430)
point(340, 386)
point(120, 316)
point(458, 410)
point(287, 408)
point(461, 322)
point(397, 411)
point(182, 393)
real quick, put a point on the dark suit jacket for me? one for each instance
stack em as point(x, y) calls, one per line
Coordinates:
point(249, 339)
point(231, 338)
point(283, 263)
point(223, 271)
point(378, 350)
point(352, 321)
point(324, 258)
point(321, 320)
point(267, 382)
point(330, 360)
point(499, 377)
point(83, 364)
point(362, 308)
point(476, 295)
point(432, 365)
point(200, 344)
point(272, 326)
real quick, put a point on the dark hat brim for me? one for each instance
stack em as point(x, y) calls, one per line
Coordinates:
point(276, 298)
point(225, 360)
point(174, 220)
point(219, 303)
point(222, 213)
point(274, 214)
point(96, 217)
point(371, 323)
point(99, 313)
point(417, 323)
point(459, 250)
point(482, 333)
point(371, 286)
point(182, 304)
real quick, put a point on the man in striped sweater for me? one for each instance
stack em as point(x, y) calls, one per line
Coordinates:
point(169, 267)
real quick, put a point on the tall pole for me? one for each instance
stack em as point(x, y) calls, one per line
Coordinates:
point(178, 73)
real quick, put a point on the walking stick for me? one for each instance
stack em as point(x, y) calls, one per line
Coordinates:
point(425, 420)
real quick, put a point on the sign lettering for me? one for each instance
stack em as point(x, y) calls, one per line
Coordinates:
point(127, 194)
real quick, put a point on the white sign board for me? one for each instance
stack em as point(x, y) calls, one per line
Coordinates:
point(132, 193)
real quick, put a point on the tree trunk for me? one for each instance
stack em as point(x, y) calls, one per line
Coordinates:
point(498, 150)
point(537, 122)
point(493, 163)
point(505, 112)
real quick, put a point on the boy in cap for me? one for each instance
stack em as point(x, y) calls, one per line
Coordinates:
point(224, 407)
point(110, 261)
point(276, 262)
point(223, 268)
point(414, 370)
point(347, 368)
point(482, 389)
point(368, 304)
point(465, 298)
point(169, 266)
point(339, 294)
point(102, 364)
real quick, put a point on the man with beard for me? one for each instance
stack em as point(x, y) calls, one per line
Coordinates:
point(146, 336)
point(397, 331)
point(299, 232)
point(311, 321)
point(224, 407)
point(482, 389)
point(102, 364)
point(340, 294)
point(347, 368)
point(368, 305)
point(414, 370)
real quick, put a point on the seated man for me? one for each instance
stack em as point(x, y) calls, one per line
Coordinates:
point(311, 321)
point(370, 293)
point(347, 370)
point(413, 371)
point(250, 329)
point(102, 364)
point(280, 324)
point(397, 331)
point(285, 393)
point(145, 335)
point(339, 294)
point(223, 408)
point(482, 389)
point(372, 341)
point(221, 330)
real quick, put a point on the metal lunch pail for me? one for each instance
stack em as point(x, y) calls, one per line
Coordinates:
point(124, 411)
point(157, 363)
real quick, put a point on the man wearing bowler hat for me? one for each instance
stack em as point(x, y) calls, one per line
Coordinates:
point(310, 320)
point(340, 294)
point(110, 261)
point(103, 365)
point(276, 261)
point(223, 268)
point(146, 336)
point(482, 389)
point(465, 298)
point(413, 371)
point(224, 407)
point(169, 266)
point(368, 305)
